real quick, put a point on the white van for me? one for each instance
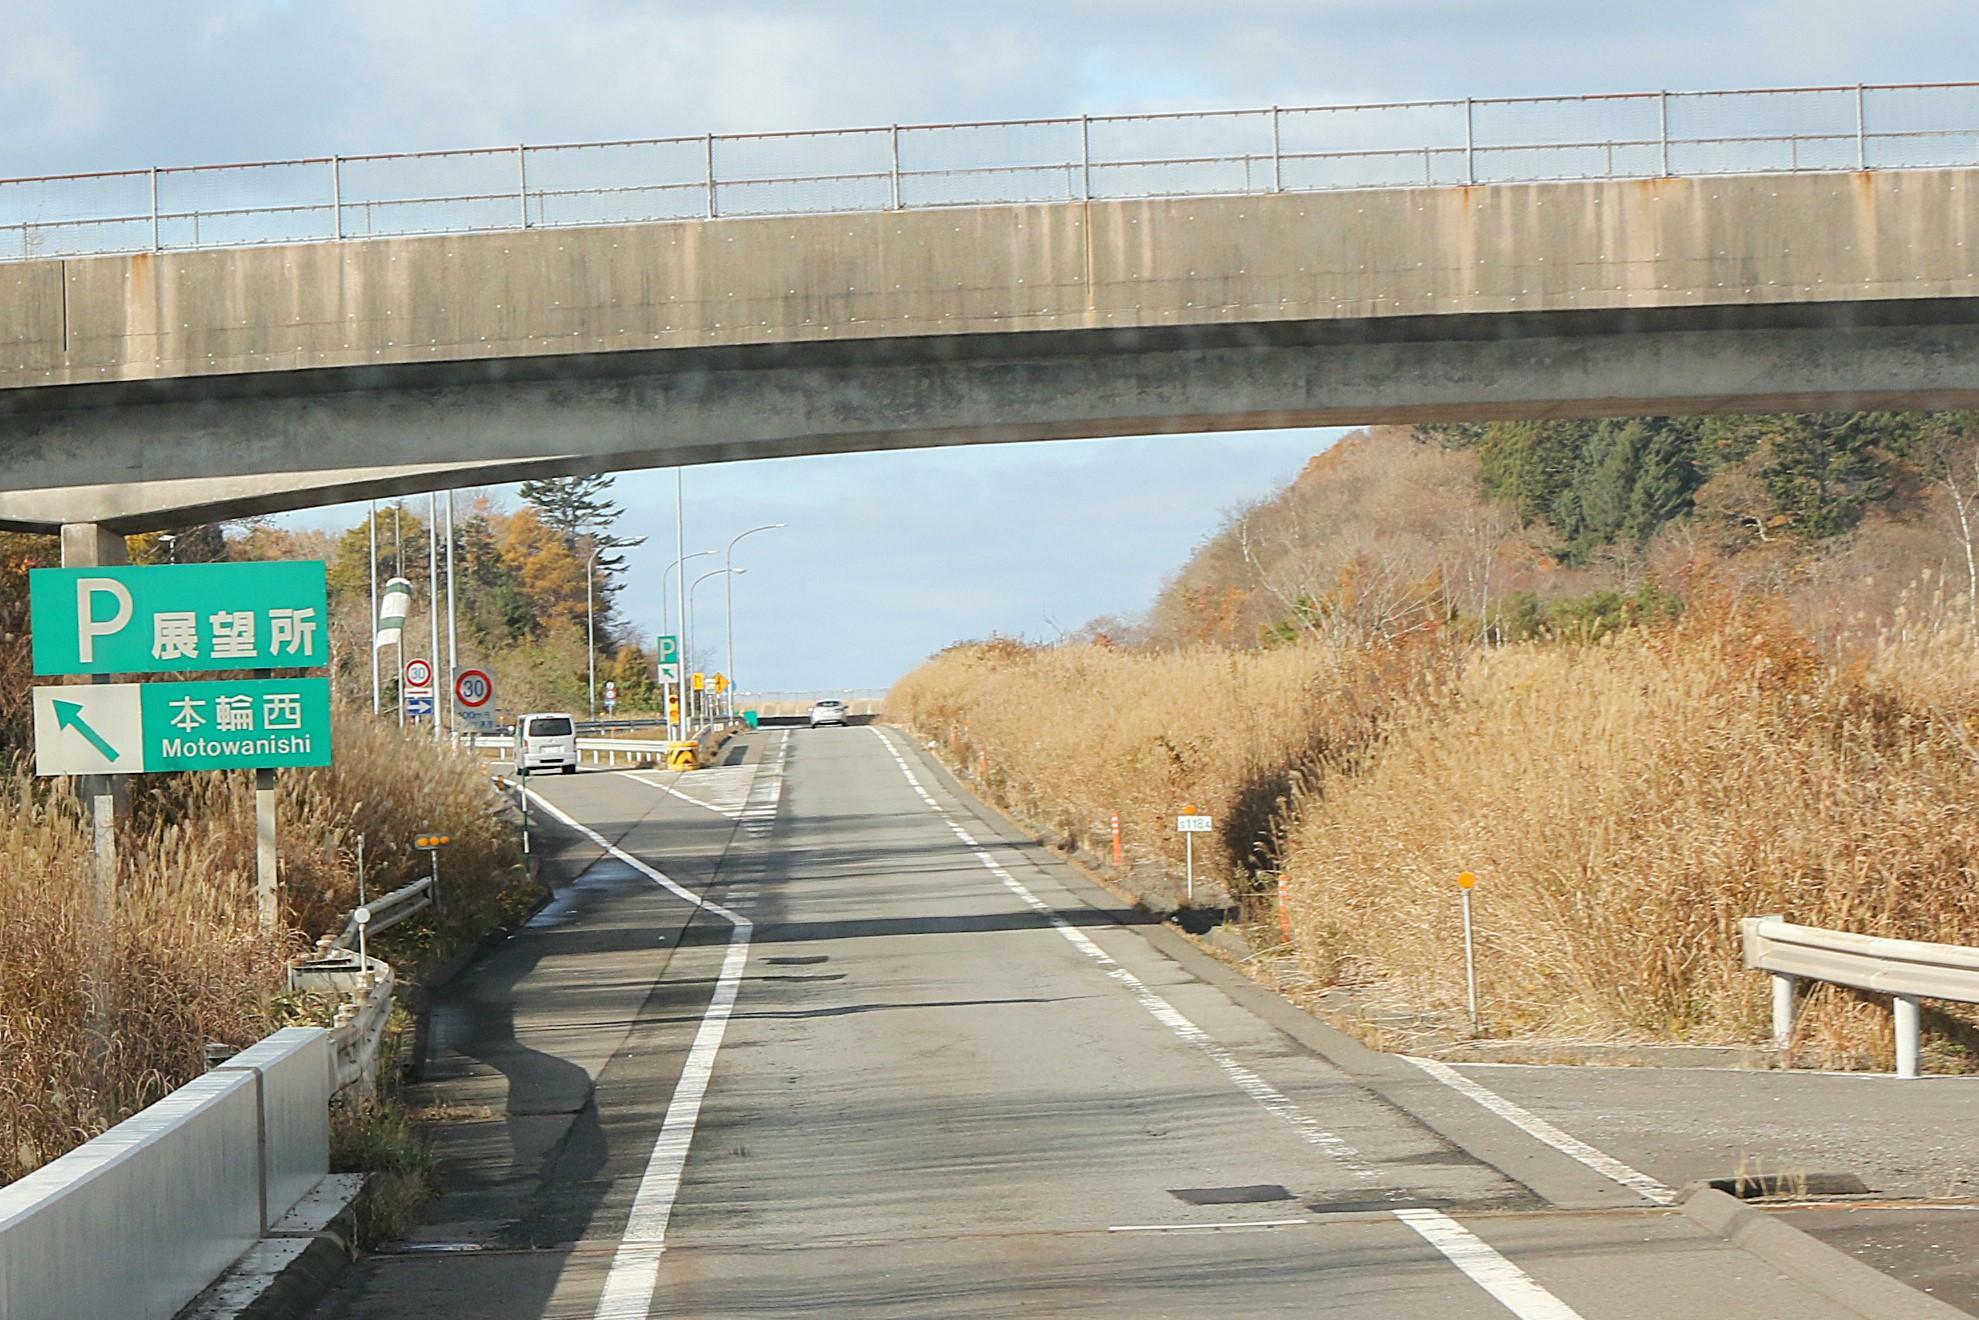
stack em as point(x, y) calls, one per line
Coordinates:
point(546, 741)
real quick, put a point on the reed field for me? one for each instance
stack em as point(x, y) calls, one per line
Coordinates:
point(1622, 802)
point(1065, 737)
point(98, 1020)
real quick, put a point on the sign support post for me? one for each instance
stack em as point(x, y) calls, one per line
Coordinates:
point(1189, 825)
point(87, 545)
point(265, 852)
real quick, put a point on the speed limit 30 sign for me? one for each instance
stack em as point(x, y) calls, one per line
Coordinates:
point(474, 700)
point(473, 688)
point(418, 673)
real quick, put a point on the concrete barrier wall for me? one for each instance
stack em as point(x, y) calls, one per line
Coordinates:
point(295, 1072)
point(137, 1222)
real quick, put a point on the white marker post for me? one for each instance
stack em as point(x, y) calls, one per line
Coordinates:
point(1189, 825)
point(1466, 882)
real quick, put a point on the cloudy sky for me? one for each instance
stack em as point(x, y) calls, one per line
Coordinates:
point(889, 556)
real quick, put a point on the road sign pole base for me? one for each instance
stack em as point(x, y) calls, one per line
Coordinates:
point(265, 850)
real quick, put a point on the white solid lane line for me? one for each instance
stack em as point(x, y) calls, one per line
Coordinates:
point(635, 1268)
point(1268, 1096)
point(1509, 1285)
point(1538, 1128)
point(1233, 1227)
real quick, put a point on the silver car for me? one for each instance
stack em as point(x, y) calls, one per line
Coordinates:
point(828, 712)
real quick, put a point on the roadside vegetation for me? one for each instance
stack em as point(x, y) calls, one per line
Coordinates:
point(101, 1018)
point(1750, 687)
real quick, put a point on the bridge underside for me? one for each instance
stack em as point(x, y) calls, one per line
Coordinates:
point(138, 455)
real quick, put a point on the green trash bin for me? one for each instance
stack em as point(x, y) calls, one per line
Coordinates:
point(750, 718)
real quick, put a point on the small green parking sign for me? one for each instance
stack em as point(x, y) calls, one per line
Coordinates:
point(170, 618)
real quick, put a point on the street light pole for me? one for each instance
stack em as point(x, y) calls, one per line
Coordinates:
point(711, 573)
point(681, 637)
point(680, 554)
point(728, 610)
point(590, 627)
point(453, 646)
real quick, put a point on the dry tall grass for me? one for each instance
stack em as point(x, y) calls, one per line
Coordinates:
point(96, 1023)
point(1623, 803)
point(1067, 736)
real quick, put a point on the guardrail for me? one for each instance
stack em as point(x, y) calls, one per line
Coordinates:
point(1906, 970)
point(607, 751)
point(893, 167)
point(384, 914)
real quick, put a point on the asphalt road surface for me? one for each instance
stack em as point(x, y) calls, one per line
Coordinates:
point(811, 1034)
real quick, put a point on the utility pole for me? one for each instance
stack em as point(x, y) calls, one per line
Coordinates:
point(433, 595)
point(377, 684)
point(453, 654)
point(398, 570)
point(680, 553)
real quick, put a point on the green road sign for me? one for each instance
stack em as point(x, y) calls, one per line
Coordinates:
point(145, 728)
point(669, 649)
point(178, 617)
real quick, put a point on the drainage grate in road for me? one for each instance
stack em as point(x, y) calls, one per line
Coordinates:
point(796, 960)
point(1248, 1194)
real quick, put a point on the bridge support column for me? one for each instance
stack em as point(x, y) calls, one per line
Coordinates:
point(87, 545)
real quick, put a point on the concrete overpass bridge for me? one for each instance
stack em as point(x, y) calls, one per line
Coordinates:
point(188, 344)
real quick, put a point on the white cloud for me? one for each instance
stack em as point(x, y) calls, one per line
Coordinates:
point(48, 92)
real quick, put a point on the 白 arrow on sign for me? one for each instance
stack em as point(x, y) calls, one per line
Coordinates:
point(68, 714)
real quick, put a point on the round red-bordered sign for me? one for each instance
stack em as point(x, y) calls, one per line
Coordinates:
point(419, 673)
point(474, 689)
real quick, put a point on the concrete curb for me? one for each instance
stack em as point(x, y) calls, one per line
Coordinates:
point(1827, 1270)
point(294, 1267)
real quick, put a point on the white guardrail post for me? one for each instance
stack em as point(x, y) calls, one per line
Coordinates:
point(1906, 970)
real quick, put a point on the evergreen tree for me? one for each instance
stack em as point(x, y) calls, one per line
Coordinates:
point(1611, 462)
point(577, 509)
point(1527, 465)
point(1822, 471)
point(1667, 478)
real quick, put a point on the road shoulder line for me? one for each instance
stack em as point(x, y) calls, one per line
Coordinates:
point(1540, 1130)
point(634, 1272)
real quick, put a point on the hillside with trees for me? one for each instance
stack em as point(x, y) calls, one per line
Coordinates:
point(1642, 676)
